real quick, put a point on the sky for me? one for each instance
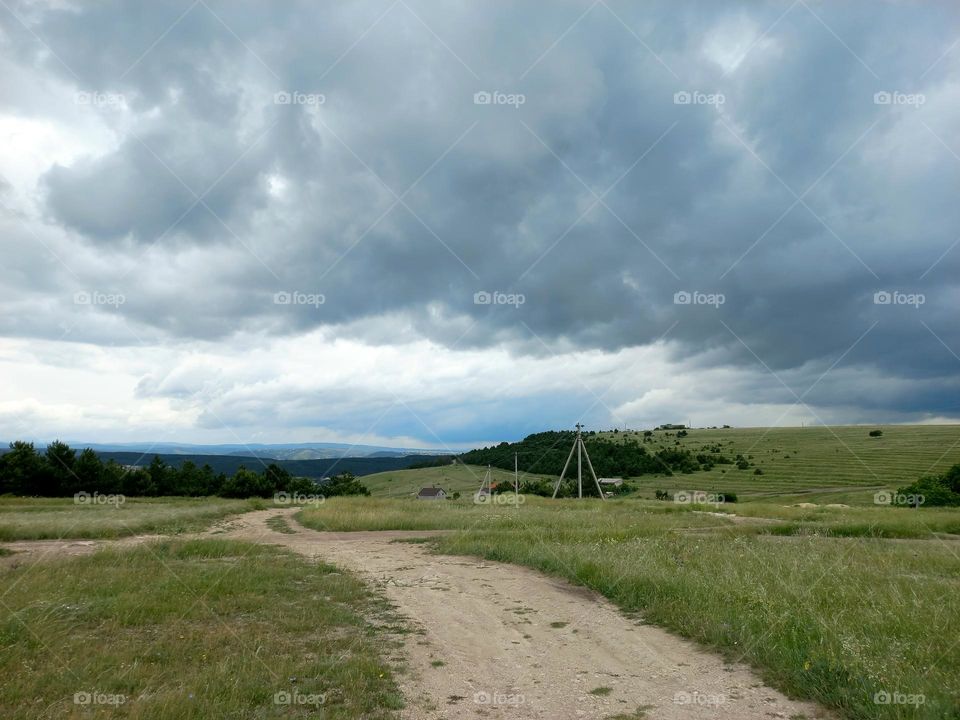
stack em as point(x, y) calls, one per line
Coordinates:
point(445, 224)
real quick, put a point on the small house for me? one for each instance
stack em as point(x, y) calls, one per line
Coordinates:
point(431, 493)
point(615, 482)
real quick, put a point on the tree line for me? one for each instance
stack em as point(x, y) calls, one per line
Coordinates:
point(60, 471)
point(544, 453)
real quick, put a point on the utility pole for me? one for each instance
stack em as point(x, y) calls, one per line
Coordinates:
point(579, 466)
point(516, 481)
point(581, 451)
point(487, 483)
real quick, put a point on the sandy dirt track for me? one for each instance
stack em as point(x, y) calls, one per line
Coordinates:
point(514, 643)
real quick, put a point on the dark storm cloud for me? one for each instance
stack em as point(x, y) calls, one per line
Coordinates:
point(599, 198)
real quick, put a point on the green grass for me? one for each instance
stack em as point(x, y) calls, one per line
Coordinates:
point(826, 618)
point(464, 479)
point(345, 514)
point(601, 691)
point(52, 518)
point(810, 460)
point(815, 464)
point(279, 524)
point(192, 630)
point(873, 521)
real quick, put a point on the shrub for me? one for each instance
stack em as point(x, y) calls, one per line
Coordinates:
point(937, 490)
point(343, 484)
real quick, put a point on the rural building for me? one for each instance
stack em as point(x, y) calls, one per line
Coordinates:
point(431, 493)
point(615, 482)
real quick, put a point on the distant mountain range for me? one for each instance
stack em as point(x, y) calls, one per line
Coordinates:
point(315, 468)
point(284, 451)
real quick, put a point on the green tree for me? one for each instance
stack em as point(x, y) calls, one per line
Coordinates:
point(187, 480)
point(60, 475)
point(937, 490)
point(278, 477)
point(134, 483)
point(344, 484)
point(88, 474)
point(247, 483)
point(161, 476)
point(210, 482)
point(20, 469)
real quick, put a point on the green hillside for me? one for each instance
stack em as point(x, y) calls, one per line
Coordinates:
point(796, 460)
point(820, 464)
point(464, 479)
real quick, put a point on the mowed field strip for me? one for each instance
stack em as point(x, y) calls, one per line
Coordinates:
point(805, 459)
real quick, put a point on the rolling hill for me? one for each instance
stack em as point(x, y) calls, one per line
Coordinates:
point(844, 462)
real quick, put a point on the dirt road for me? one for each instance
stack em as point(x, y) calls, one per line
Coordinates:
point(501, 641)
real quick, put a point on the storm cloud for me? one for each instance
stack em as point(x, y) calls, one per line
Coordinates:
point(741, 212)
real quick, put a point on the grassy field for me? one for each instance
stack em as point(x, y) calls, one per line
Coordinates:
point(815, 464)
point(192, 630)
point(828, 610)
point(830, 603)
point(818, 460)
point(52, 518)
point(464, 479)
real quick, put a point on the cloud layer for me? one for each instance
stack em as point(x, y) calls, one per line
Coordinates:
point(732, 213)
